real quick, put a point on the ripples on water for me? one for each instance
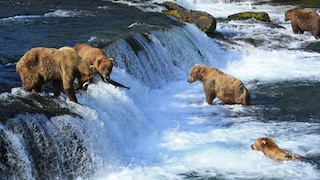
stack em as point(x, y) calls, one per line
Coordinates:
point(57, 23)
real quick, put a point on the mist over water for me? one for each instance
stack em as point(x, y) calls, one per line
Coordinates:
point(161, 128)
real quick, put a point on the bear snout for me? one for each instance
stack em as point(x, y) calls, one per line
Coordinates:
point(190, 80)
point(252, 146)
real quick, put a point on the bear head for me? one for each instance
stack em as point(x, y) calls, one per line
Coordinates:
point(84, 74)
point(271, 149)
point(288, 15)
point(264, 144)
point(104, 67)
point(197, 72)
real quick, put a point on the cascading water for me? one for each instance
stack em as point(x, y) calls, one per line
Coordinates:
point(76, 144)
point(43, 145)
point(156, 58)
point(161, 128)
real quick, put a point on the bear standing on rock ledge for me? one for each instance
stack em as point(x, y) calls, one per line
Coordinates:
point(62, 66)
point(303, 20)
point(218, 84)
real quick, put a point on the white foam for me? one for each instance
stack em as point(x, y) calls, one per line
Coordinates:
point(276, 65)
point(206, 140)
point(186, 136)
point(20, 18)
point(272, 61)
point(18, 152)
point(171, 132)
point(56, 13)
point(62, 13)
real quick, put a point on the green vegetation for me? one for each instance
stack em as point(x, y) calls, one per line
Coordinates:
point(261, 16)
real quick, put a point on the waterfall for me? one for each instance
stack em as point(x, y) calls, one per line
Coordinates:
point(156, 58)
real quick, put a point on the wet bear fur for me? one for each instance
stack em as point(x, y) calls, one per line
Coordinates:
point(218, 84)
point(97, 58)
point(40, 65)
point(271, 149)
point(303, 20)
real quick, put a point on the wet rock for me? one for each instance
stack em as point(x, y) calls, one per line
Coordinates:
point(204, 21)
point(33, 104)
point(261, 16)
point(312, 46)
point(252, 41)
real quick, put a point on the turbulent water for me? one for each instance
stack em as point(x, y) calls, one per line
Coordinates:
point(161, 128)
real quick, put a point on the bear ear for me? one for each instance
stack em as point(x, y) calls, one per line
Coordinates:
point(264, 142)
point(92, 68)
point(197, 65)
point(111, 59)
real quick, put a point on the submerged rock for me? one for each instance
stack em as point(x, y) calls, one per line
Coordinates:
point(204, 21)
point(312, 46)
point(261, 16)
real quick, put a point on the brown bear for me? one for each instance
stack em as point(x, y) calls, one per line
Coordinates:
point(40, 65)
point(218, 84)
point(271, 149)
point(303, 20)
point(97, 58)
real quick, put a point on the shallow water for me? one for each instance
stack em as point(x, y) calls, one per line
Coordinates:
point(161, 128)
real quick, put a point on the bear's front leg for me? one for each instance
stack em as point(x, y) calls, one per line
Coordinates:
point(71, 94)
point(57, 87)
point(316, 32)
point(69, 91)
point(210, 97)
point(295, 28)
point(37, 89)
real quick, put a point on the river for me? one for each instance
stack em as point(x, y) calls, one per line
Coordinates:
point(161, 128)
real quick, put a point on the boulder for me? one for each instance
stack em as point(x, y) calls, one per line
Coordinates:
point(203, 20)
point(261, 16)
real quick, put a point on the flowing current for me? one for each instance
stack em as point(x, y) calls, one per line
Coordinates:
point(161, 128)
